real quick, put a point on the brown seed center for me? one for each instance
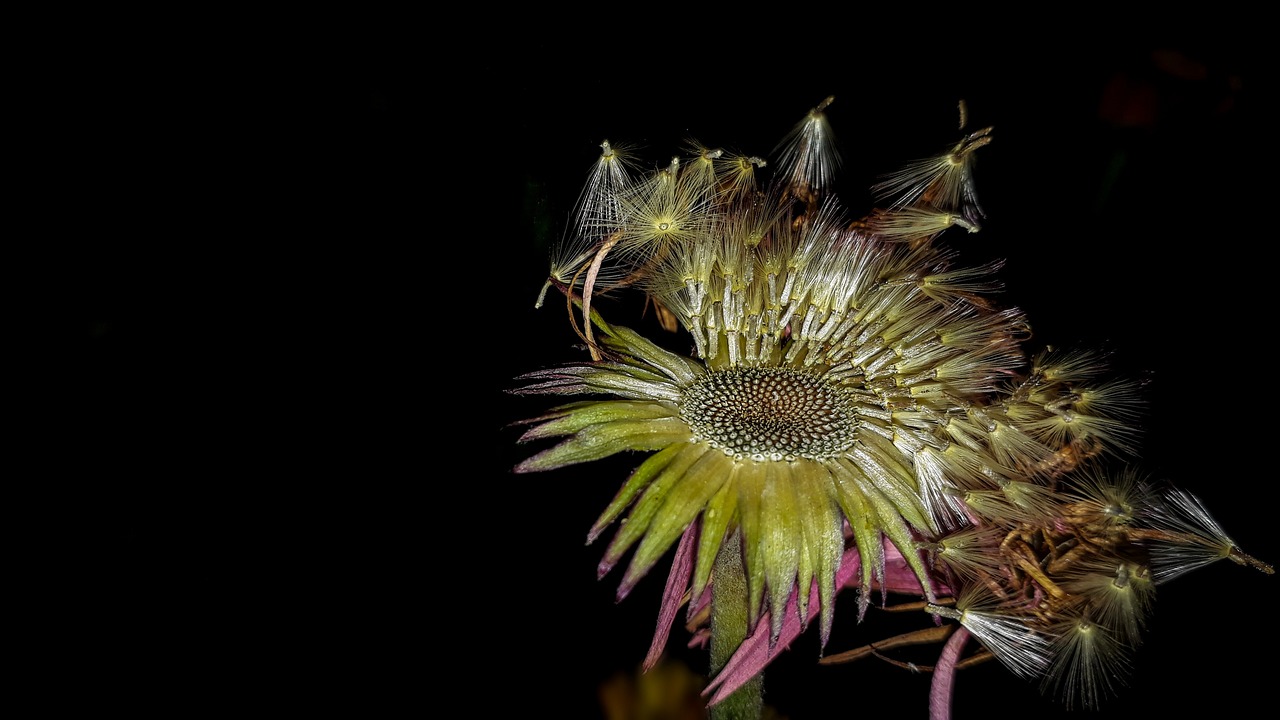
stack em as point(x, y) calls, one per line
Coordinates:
point(770, 413)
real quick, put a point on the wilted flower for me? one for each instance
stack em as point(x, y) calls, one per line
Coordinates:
point(857, 412)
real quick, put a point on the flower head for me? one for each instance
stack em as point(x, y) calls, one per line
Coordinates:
point(857, 410)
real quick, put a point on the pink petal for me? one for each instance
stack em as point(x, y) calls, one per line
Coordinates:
point(755, 653)
point(697, 605)
point(673, 595)
point(900, 578)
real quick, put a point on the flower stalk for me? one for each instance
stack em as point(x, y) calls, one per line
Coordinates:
point(858, 411)
point(729, 625)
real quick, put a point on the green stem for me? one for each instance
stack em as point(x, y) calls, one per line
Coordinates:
point(729, 629)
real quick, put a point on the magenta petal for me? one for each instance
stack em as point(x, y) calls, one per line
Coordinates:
point(755, 653)
point(752, 656)
point(944, 676)
point(677, 583)
point(698, 604)
point(898, 575)
point(701, 640)
point(900, 578)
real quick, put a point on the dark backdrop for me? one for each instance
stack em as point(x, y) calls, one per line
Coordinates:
point(294, 394)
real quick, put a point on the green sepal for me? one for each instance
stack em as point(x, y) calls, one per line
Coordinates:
point(682, 504)
point(824, 541)
point(638, 481)
point(782, 534)
point(751, 485)
point(895, 528)
point(681, 370)
point(863, 522)
point(570, 419)
point(881, 464)
point(717, 520)
point(600, 441)
point(637, 523)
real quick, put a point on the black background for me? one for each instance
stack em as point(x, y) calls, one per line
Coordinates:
point(291, 344)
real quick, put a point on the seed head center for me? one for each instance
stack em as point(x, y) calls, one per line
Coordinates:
point(770, 413)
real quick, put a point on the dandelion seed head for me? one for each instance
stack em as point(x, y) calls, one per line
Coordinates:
point(855, 409)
